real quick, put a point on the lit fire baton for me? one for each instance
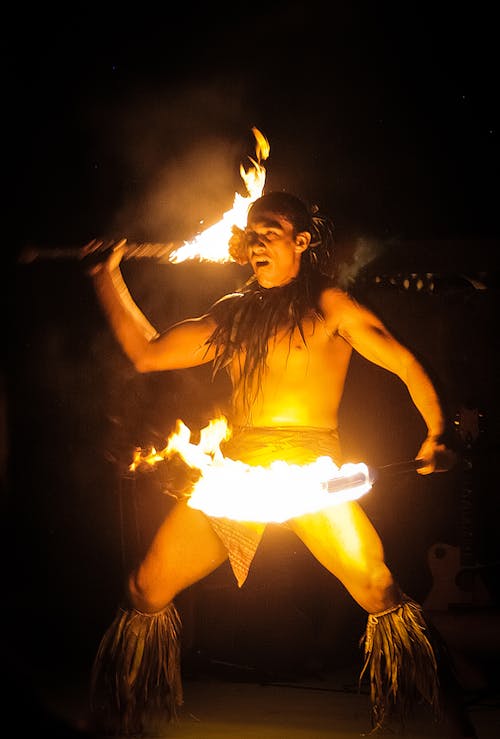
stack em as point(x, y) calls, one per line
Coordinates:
point(229, 488)
point(211, 245)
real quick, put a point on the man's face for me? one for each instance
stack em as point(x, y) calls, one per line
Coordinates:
point(273, 250)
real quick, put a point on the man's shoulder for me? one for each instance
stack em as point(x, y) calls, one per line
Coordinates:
point(334, 293)
point(335, 303)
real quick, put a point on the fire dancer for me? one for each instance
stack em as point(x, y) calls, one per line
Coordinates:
point(285, 339)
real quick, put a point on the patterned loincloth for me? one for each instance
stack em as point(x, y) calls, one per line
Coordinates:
point(261, 446)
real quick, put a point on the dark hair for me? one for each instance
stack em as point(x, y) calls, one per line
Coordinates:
point(287, 205)
point(319, 255)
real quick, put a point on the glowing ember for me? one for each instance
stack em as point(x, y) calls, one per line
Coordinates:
point(213, 243)
point(232, 489)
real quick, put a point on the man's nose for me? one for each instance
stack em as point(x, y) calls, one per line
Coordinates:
point(258, 243)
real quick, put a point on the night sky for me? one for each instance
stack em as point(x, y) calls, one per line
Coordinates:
point(135, 126)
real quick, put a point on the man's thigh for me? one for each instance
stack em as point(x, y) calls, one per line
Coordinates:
point(342, 538)
point(184, 549)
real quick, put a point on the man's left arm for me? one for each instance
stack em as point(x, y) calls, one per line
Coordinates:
point(367, 334)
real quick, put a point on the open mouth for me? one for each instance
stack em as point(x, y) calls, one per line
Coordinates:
point(262, 263)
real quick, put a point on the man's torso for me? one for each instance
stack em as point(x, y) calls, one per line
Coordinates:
point(303, 382)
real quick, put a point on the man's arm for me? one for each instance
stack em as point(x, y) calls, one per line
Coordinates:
point(366, 333)
point(182, 345)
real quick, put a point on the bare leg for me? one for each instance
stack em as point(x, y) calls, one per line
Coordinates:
point(345, 541)
point(184, 550)
point(136, 673)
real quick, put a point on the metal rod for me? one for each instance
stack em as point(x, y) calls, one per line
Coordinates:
point(446, 460)
point(374, 473)
point(338, 484)
point(400, 468)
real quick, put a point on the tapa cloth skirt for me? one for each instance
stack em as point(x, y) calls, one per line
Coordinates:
point(259, 446)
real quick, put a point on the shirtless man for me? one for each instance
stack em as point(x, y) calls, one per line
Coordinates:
point(286, 341)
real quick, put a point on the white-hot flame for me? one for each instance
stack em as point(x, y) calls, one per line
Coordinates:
point(230, 488)
point(212, 244)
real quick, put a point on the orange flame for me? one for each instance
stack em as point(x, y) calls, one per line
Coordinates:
point(232, 489)
point(213, 244)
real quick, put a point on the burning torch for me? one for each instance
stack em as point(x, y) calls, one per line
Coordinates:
point(210, 245)
point(229, 488)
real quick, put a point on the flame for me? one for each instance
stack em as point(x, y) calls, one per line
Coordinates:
point(232, 489)
point(213, 244)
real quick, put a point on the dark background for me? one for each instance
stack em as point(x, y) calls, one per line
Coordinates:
point(136, 125)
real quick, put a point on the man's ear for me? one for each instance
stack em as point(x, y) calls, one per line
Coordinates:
point(302, 241)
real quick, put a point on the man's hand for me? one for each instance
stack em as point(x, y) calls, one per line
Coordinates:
point(435, 456)
point(99, 254)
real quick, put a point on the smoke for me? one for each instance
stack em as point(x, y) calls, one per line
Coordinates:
point(188, 193)
point(365, 251)
point(175, 157)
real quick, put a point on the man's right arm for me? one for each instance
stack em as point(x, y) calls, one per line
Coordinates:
point(183, 345)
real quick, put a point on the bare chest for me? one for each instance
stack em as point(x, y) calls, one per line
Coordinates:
point(292, 356)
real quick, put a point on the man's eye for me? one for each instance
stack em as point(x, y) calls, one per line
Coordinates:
point(252, 237)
